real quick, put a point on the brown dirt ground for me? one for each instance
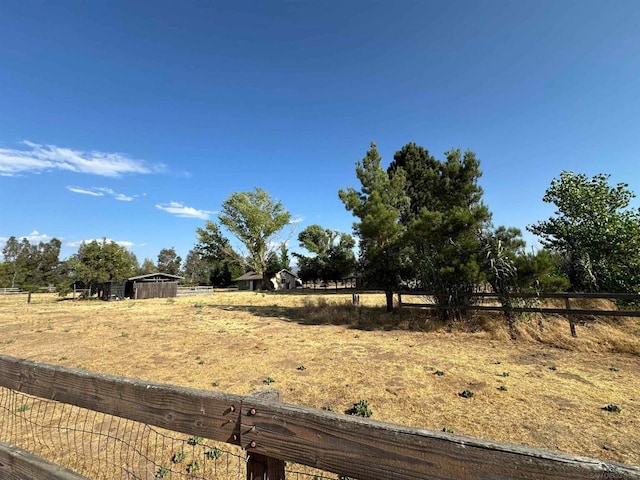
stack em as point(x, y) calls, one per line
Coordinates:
point(233, 341)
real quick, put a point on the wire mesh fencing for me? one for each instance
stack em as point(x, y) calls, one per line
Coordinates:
point(106, 447)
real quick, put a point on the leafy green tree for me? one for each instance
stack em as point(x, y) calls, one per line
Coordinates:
point(100, 261)
point(169, 261)
point(256, 220)
point(334, 257)
point(379, 205)
point(30, 266)
point(147, 267)
point(317, 239)
point(340, 260)
point(444, 222)
point(217, 260)
point(594, 231)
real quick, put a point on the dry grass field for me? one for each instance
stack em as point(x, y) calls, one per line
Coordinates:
point(545, 389)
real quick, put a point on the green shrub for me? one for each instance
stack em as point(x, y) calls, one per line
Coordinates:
point(360, 409)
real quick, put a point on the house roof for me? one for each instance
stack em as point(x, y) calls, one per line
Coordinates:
point(156, 275)
point(289, 272)
point(249, 276)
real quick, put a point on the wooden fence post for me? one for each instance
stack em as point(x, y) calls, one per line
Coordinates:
point(261, 467)
point(29, 297)
point(572, 323)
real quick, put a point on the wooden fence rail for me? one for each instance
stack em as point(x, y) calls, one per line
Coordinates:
point(17, 464)
point(568, 310)
point(357, 447)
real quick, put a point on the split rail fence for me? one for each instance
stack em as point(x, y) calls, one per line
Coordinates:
point(272, 433)
point(473, 302)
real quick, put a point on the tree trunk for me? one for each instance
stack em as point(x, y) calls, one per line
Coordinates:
point(389, 295)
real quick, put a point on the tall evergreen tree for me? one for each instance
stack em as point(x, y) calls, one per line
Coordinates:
point(444, 221)
point(379, 205)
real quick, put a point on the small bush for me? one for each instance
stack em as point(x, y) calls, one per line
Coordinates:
point(466, 394)
point(612, 407)
point(178, 457)
point(360, 409)
point(301, 368)
point(195, 440)
point(446, 429)
point(214, 453)
point(162, 472)
point(269, 380)
point(193, 467)
point(438, 373)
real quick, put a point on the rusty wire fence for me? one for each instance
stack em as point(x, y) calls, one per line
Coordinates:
point(106, 447)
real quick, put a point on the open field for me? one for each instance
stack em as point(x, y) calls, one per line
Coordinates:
point(545, 389)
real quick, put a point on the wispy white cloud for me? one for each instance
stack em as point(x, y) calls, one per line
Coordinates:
point(180, 210)
point(34, 237)
point(100, 192)
point(122, 243)
point(84, 191)
point(296, 219)
point(36, 158)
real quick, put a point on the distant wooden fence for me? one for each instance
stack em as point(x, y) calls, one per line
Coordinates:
point(196, 290)
point(10, 291)
point(568, 311)
point(272, 432)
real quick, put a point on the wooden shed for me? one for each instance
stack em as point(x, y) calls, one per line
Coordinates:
point(152, 285)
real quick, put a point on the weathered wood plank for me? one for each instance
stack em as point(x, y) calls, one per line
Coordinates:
point(343, 444)
point(559, 311)
point(18, 464)
point(195, 412)
point(261, 467)
point(370, 450)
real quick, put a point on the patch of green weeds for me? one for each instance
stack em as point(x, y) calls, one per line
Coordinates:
point(62, 359)
point(213, 454)
point(504, 374)
point(178, 457)
point(23, 408)
point(360, 409)
point(124, 335)
point(193, 467)
point(612, 407)
point(200, 360)
point(446, 429)
point(171, 300)
point(215, 384)
point(438, 373)
point(502, 388)
point(328, 408)
point(269, 380)
point(195, 440)
point(466, 394)
point(613, 368)
point(162, 472)
point(7, 342)
point(301, 368)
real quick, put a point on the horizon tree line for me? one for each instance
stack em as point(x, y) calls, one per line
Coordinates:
point(420, 224)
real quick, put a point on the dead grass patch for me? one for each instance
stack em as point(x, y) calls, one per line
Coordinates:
point(553, 394)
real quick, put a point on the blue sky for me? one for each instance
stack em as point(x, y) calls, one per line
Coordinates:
point(135, 120)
